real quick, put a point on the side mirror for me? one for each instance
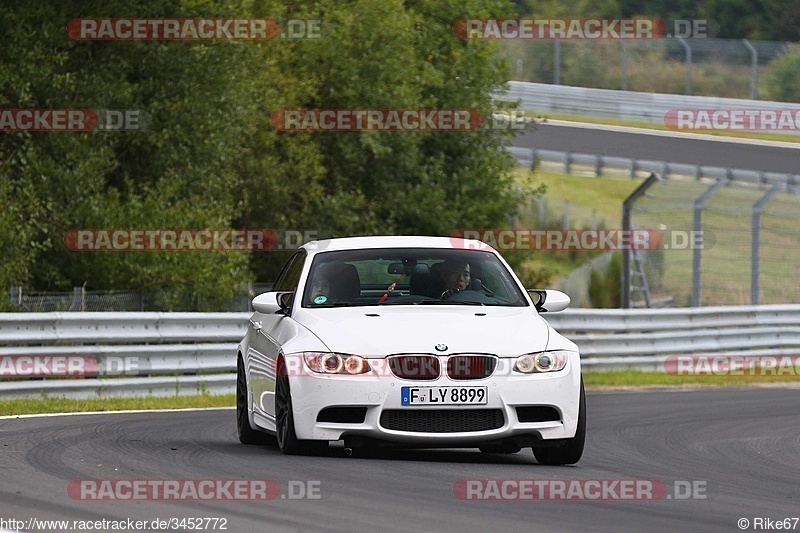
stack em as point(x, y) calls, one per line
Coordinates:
point(549, 301)
point(270, 303)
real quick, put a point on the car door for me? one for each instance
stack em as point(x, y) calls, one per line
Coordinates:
point(268, 334)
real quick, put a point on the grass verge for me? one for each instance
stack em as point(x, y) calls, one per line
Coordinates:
point(29, 406)
point(641, 379)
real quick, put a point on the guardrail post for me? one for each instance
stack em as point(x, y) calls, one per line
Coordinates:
point(627, 206)
point(632, 173)
point(598, 165)
point(697, 228)
point(755, 242)
point(567, 161)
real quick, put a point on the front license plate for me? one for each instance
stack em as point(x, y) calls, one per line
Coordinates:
point(444, 395)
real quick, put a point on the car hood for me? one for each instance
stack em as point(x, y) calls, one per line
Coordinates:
point(379, 331)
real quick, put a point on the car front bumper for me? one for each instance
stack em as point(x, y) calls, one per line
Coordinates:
point(381, 395)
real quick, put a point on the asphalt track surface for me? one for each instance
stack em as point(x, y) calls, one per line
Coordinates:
point(742, 445)
point(675, 148)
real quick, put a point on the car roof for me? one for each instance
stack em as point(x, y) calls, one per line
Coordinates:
point(393, 241)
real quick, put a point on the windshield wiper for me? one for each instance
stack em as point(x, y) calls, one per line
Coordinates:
point(448, 302)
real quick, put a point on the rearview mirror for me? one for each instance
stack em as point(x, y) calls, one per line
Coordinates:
point(407, 268)
point(549, 301)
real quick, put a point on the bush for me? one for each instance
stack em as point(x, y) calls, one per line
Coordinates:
point(605, 288)
point(783, 77)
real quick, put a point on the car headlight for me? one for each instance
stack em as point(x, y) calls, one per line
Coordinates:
point(533, 363)
point(335, 363)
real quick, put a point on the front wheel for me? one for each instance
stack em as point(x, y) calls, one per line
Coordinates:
point(570, 452)
point(288, 442)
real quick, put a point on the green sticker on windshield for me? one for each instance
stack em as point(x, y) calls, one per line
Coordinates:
point(320, 299)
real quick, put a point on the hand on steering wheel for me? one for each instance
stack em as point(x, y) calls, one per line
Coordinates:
point(448, 294)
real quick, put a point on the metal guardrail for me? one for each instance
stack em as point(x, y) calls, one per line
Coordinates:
point(598, 163)
point(37, 328)
point(164, 354)
point(630, 105)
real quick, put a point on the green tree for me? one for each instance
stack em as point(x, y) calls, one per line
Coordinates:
point(783, 77)
point(208, 156)
point(378, 54)
point(174, 173)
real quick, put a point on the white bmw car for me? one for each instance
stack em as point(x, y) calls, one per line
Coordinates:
point(415, 341)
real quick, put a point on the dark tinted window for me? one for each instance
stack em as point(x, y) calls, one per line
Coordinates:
point(417, 276)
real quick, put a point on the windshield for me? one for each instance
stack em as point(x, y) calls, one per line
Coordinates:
point(409, 276)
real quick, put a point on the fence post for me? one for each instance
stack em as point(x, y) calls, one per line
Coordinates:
point(755, 242)
point(627, 206)
point(754, 75)
point(697, 228)
point(624, 46)
point(540, 211)
point(15, 296)
point(79, 298)
point(557, 62)
point(688, 65)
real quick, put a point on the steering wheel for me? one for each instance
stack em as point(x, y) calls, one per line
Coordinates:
point(449, 293)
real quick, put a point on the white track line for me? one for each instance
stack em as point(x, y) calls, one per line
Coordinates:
point(44, 415)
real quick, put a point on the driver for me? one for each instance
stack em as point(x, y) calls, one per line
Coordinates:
point(456, 276)
point(320, 289)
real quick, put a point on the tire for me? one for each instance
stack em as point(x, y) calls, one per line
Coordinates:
point(571, 451)
point(288, 443)
point(247, 435)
